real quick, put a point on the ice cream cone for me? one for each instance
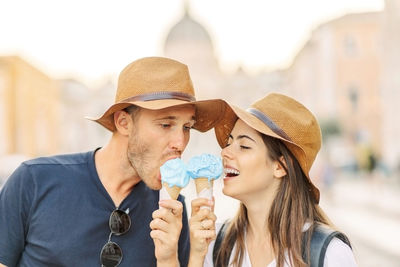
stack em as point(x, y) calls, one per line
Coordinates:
point(202, 183)
point(172, 191)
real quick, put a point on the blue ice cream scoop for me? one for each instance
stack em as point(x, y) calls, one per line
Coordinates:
point(174, 173)
point(205, 165)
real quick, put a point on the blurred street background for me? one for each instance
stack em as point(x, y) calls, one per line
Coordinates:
point(60, 60)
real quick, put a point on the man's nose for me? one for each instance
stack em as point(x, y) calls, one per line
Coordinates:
point(178, 140)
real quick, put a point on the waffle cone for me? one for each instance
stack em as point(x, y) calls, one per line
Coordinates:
point(172, 191)
point(202, 183)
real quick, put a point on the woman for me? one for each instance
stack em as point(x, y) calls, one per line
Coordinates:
point(267, 154)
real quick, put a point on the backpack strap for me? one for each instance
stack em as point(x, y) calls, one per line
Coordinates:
point(218, 240)
point(320, 239)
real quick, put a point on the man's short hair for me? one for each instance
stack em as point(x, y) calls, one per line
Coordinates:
point(132, 110)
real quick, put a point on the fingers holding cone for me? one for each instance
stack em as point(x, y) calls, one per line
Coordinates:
point(203, 219)
point(202, 226)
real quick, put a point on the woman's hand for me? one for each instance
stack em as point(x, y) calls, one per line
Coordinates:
point(202, 230)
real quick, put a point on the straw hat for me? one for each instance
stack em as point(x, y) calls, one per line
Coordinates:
point(157, 83)
point(281, 117)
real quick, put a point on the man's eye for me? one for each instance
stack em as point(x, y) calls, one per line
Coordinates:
point(165, 125)
point(187, 128)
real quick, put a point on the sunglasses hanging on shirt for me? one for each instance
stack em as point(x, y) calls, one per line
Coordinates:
point(119, 223)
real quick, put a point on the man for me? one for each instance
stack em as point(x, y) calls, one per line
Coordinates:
point(95, 208)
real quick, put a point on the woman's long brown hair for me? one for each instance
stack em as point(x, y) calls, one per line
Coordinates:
point(292, 207)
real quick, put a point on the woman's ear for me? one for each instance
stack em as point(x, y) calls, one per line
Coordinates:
point(279, 170)
point(122, 120)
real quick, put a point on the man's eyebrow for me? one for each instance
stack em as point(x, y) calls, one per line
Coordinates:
point(166, 118)
point(243, 136)
point(193, 118)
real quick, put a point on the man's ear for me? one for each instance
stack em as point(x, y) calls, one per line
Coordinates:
point(122, 121)
point(279, 170)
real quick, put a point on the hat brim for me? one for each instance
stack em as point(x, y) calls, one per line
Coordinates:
point(208, 112)
point(233, 113)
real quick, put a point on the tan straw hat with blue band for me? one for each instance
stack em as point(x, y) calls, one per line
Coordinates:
point(157, 83)
point(282, 117)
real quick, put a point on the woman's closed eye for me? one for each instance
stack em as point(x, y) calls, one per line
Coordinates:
point(241, 146)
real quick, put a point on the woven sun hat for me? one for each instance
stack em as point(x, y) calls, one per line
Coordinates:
point(281, 117)
point(157, 83)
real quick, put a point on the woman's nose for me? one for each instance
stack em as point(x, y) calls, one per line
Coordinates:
point(226, 152)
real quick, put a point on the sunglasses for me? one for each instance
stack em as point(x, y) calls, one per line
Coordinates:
point(111, 253)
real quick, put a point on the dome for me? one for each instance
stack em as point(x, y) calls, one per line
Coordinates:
point(188, 30)
point(188, 41)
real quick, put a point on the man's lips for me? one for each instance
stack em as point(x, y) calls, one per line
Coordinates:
point(168, 158)
point(172, 157)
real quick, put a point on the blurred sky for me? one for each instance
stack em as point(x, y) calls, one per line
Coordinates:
point(87, 39)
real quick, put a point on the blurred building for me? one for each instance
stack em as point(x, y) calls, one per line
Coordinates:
point(337, 74)
point(29, 106)
point(40, 116)
point(349, 71)
point(390, 83)
point(79, 101)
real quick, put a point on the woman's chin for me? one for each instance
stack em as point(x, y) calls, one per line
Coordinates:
point(227, 192)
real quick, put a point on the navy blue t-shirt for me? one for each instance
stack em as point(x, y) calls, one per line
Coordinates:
point(54, 211)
